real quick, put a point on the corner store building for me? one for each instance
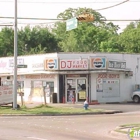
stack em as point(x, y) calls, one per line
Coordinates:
point(105, 77)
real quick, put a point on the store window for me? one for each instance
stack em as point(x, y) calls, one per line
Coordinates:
point(38, 88)
point(6, 83)
point(20, 87)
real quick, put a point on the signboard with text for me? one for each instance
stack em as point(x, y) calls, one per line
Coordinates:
point(71, 24)
point(97, 63)
point(74, 64)
point(20, 61)
point(114, 64)
point(51, 64)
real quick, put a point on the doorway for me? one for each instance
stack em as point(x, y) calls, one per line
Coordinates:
point(76, 88)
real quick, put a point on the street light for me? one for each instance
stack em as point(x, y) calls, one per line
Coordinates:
point(15, 60)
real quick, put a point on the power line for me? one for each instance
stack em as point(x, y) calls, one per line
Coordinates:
point(23, 18)
point(35, 18)
point(62, 2)
point(112, 6)
point(6, 25)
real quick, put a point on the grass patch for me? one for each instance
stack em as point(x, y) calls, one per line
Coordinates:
point(42, 110)
point(130, 125)
point(124, 128)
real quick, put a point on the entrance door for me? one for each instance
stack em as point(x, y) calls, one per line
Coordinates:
point(81, 89)
point(76, 88)
point(70, 90)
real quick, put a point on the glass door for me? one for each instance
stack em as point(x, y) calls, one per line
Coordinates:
point(81, 89)
point(70, 90)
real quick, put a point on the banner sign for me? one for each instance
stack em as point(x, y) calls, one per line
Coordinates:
point(51, 64)
point(74, 64)
point(116, 65)
point(98, 63)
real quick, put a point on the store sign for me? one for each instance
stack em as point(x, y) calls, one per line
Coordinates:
point(105, 76)
point(98, 63)
point(3, 64)
point(40, 76)
point(116, 65)
point(74, 64)
point(20, 61)
point(38, 66)
point(51, 64)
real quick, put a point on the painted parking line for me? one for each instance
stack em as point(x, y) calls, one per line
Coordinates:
point(36, 138)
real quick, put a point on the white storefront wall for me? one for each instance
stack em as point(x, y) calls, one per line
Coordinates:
point(35, 65)
point(126, 84)
point(39, 98)
point(28, 79)
point(124, 87)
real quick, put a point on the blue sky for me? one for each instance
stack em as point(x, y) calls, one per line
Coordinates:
point(51, 8)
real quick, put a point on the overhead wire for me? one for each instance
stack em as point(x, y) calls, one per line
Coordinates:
point(112, 6)
point(66, 2)
point(22, 18)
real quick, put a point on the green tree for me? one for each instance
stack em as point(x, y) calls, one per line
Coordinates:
point(88, 36)
point(130, 38)
point(36, 40)
point(6, 42)
point(33, 40)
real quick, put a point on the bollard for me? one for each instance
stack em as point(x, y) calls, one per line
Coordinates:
point(87, 99)
point(73, 100)
point(63, 99)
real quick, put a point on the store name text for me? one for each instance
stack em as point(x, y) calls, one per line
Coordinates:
point(73, 64)
point(104, 75)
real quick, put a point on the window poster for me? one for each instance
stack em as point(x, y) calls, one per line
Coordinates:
point(99, 88)
point(82, 95)
point(99, 85)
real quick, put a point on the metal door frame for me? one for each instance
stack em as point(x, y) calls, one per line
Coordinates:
point(76, 85)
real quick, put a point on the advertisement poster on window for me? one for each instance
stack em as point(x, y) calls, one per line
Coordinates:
point(82, 95)
point(47, 91)
point(70, 95)
point(99, 86)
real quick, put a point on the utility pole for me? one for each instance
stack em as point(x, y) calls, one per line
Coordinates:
point(15, 59)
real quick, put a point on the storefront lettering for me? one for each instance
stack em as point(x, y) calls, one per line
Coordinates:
point(117, 65)
point(19, 61)
point(104, 75)
point(3, 64)
point(42, 76)
point(38, 65)
point(73, 64)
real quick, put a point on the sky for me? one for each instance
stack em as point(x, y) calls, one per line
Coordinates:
point(51, 8)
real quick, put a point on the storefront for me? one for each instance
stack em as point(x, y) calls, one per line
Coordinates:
point(109, 78)
point(76, 83)
point(76, 88)
point(73, 77)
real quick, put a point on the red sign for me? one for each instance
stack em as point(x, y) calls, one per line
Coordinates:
point(74, 64)
point(105, 75)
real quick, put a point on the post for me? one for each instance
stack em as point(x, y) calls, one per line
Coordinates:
point(44, 93)
point(15, 60)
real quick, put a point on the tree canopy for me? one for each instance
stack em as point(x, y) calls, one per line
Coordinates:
point(96, 36)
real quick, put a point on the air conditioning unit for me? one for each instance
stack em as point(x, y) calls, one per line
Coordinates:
point(128, 74)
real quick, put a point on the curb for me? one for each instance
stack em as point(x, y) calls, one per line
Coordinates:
point(66, 114)
point(117, 134)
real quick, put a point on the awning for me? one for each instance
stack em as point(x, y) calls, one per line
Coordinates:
point(67, 72)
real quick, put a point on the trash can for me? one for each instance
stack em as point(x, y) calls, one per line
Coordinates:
point(54, 98)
